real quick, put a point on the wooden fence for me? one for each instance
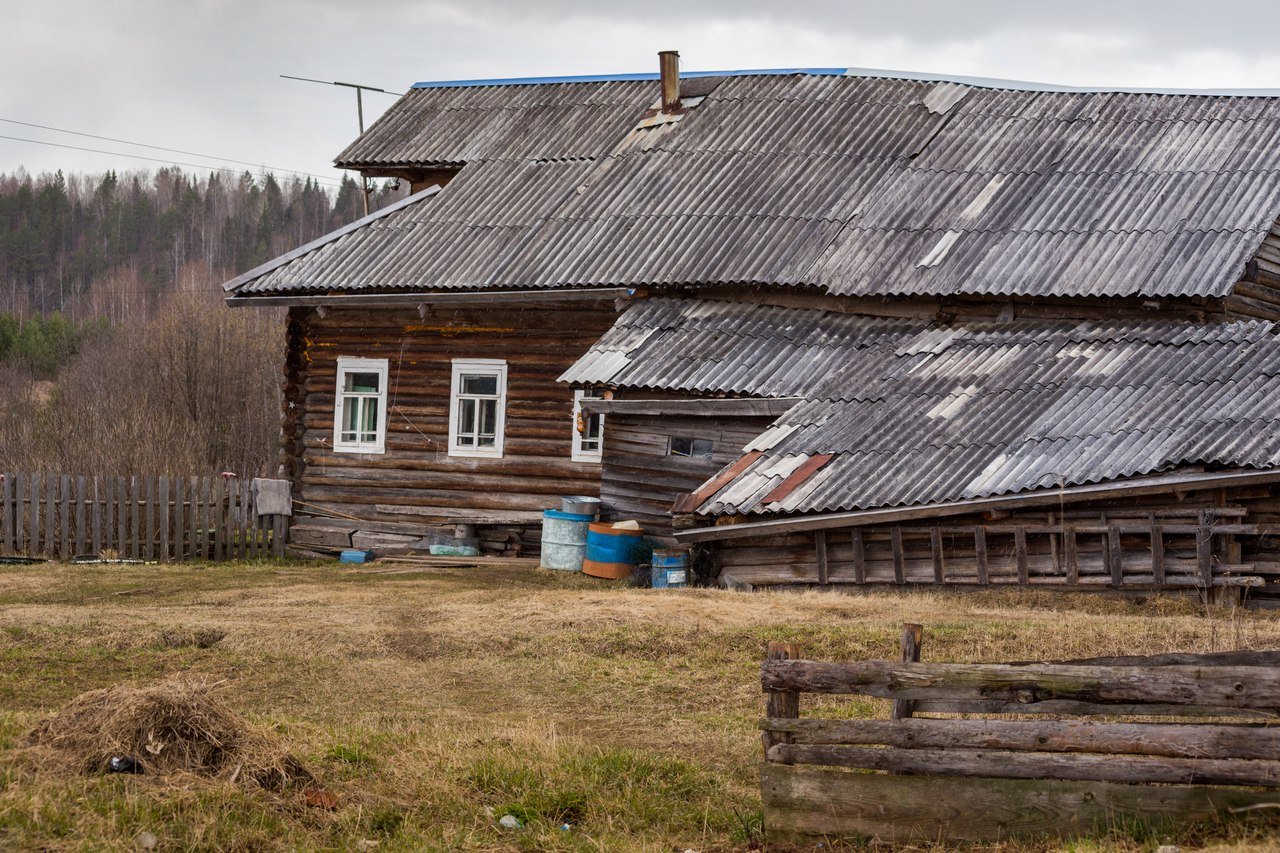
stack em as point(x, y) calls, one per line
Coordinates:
point(988, 779)
point(59, 516)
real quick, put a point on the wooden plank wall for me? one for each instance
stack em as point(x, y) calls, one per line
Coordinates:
point(415, 485)
point(641, 481)
point(1139, 544)
point(150, 518)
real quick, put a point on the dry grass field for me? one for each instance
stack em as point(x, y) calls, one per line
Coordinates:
point(433, 702)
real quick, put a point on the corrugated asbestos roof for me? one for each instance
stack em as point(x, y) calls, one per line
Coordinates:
point(914, 413)
point(857, 184)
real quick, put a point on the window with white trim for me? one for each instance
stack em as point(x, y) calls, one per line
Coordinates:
point(360, 405)
point(477, 407)
point(588, 432)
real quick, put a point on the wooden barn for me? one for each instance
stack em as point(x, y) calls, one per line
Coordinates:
point(833, 327)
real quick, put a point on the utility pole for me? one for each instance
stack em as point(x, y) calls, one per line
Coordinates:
point(360, 90)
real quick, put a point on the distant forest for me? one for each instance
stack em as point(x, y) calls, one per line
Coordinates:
point(110, 307)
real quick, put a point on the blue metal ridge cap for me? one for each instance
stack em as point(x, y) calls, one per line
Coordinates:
point(880, 73)
point(609, 78)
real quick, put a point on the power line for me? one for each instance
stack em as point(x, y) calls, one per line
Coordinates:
point(162, 148)
point(328, 181)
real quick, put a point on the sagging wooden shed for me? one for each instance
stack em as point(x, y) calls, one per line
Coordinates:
point(805, 307)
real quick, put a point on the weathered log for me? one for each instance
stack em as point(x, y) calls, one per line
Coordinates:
point(1172, 740)
point(1078, 767)
point(816, 801)
point(909, 643)
point(1228, 687)
point(782, 703)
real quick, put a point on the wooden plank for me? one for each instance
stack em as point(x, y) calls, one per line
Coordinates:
point(899, 567)
point(1070, 555)
point(19, 521)
point(251, 522)
point(179, 518)
point(219, 518)
point(1072, 766)
point(1157, 551)
point(1227, 687)
point(980, 551)
point(820, 546)
point(814, 801)
point(1115, 560)
point(1204, 549)
point(193, 517)
point(206, 518)
point(6, 514)
point(1173, 740)
point(51, 516)
point(162, 506)
point(781, 704)
point(82, 498)
point(235, 538)
point(33, 515)
point(1020, 554)
point(136, 529)
point(64, 519)
point(96, 516)
point(279, 535)
point(909, 644)
point(935, 546)
point(1068, 707)
point(859, 556)
point(149, 517)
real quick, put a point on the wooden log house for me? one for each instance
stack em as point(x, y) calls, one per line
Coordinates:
point(832, 328)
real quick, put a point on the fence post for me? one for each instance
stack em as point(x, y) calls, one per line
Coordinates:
point(910, 641)
point(781, 704)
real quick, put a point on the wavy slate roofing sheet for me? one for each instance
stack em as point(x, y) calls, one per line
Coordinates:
point(861, 185)
point(914, 413)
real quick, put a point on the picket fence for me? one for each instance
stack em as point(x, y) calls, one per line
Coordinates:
point(151, 518)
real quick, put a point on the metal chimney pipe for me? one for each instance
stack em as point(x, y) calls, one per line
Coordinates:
point(669, 68)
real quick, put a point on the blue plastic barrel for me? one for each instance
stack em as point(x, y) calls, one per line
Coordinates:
point(564, 540)
point(611, 552)
point(670, 568)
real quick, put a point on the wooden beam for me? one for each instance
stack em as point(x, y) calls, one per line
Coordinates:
point(1192, 481)
point(401, 300)
point(935, 545)
point(899, 566)
point(781, 704)
point(1020, 554)
point(859, 556)
point(820, 546)
point(980, 551)
point(1115, 560)
point(909, 644)
point(705, 407)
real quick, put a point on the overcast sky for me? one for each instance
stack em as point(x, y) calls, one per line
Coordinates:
point(203, 75)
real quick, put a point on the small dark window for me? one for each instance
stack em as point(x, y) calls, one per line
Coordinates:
point(697, 448)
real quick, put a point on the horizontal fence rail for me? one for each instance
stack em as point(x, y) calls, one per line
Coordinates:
point(147, 518)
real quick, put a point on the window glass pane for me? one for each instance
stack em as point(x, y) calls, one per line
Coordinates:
point(363, 383)
point(466, 417)
point(369, 423)
point(349, 436)
point(702, 447)
point(691, 447)
point(350, 414)
point(488, 417)
point(474, 383)
point(595, 426)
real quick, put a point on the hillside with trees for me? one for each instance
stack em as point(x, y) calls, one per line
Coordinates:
point(117, 354)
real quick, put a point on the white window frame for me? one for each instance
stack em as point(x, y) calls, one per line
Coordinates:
point(486, 367)
point(348, 364)
point(578, 454)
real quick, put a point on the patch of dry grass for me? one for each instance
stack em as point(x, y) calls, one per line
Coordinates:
point(434, 702)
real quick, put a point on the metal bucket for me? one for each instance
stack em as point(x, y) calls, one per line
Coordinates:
point(564, 540)
point(670, 568)
point(612, 553)
point(580, 505)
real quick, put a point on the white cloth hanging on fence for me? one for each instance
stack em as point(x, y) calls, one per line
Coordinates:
point(272, 497)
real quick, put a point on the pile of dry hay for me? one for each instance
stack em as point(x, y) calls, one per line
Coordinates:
point(171, 727)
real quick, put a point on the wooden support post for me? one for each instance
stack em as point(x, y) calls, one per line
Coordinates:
point(122, 517)
point(899, 565)
point(1204, 550)
point(1069, 554)
point(96, 513)
point(859, 556)
point(1114, 560)
point(279, 534)
point(820, 545)
point(150, 550)
point(980, 549)
point(51, 516)
point(82, 498)
point(935, 543)
point(64, 549)
point(1053, 546)
point(910, 642)
point(1020, 553)
point(179, 518)
point(19, 499)
point(1157, 551)
point(780, 704)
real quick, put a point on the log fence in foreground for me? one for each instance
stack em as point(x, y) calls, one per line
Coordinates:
point(59, 516)
point(985, 779)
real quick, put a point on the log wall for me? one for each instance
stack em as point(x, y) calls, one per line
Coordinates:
point(415, 485)
point(641, 480)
